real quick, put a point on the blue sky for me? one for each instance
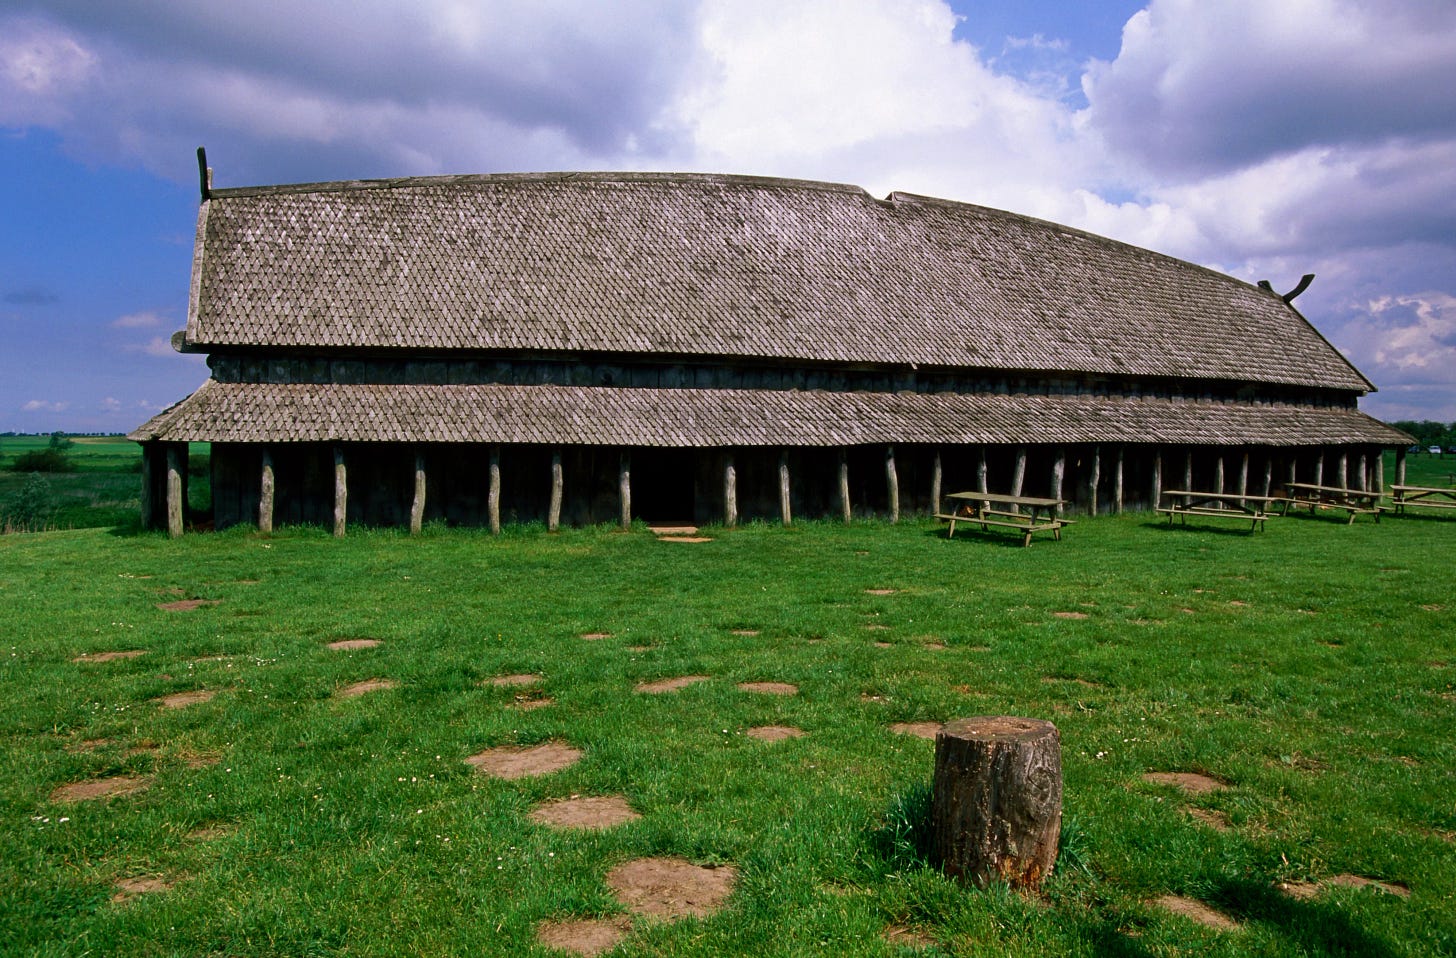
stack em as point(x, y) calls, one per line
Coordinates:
point(1265, 140)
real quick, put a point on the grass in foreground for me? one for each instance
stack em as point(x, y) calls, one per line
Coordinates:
point(1311, 667)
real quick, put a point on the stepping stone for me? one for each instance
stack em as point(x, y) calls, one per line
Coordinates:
point(1191, 783)
point(346, 645)
point(1197, 911)
point(113, 787)
point(670, 685)
point(109, 656)
point(769, 688)
point(926, 730)
point(365, 687)
point(589, 811)
point(180, 700)
point(774, 733)
point(589, 936)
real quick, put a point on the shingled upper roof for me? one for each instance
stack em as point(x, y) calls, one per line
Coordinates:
point(723, 267)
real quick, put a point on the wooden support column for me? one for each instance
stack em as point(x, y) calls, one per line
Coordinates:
point(730, 492)
point(553, 511)
point(1059, 471)
point(341, 492)
point(149, 478)
point(1117, 480)
point(1157, 478)
point(1243, 476)
point(1342, 469)
point(980, 473)
point(1268, 485)
point(492, 492)
point(1187, 474)
point(624, 488)
point(1361, 478)
point(784, 511)
point(1319, 468)
point(892, 484)
point(1094, 480)
point(1293, 466)
point(1379, 480)
point(176, 491)
point(996, 800)
point(935, 483)
point(417, 503)
point(267, 490)
point(1018, 475)
point(1218, 474)
point(846, 510)
point(1400, 466)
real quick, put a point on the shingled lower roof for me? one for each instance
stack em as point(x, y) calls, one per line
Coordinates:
point(572, 415)
point(720, 266)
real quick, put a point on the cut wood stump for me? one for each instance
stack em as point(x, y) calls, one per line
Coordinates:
point(996, 810)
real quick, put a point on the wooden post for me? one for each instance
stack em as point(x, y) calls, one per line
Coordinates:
point(1117, 481)
point(417, 504)
point(1243, 476)
point(1319, 468)
point(892, 484)
point(784, 512)
point(553, 511)
point(493, 490)
point(1157, 478)
point(730, 493)
point(1293, 466)
point(1187, 473)
point(1400, 466)
point(267, 489)
point(1095, 479)
point(1342, 469)
point(1059, 471)
point(1379, 479)
point(1361, 465)
point(845, 508)
point(1268, 486)
point(996, 806)
point(624, 488)
point(341, 492)
point(1018, 474)
point(935, 483)
point(176, 496)
point(1218, 474)
point(980, 473)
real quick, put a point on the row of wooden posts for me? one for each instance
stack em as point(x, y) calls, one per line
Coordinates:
point(1364, 477)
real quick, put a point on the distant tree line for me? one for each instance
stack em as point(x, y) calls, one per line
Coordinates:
point(55, 457)
point(1428, 433)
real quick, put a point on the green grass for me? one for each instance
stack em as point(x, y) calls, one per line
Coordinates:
point(1312, 667)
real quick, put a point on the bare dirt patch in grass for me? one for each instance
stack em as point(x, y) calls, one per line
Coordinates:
point(585, 811)
point(1213, 818)
point(876, 627)
point(348, 645)
point(1197, 911)
point(670, 685)
point(1360, 881)
point(128, 888)
point(671, 888)
point(365, 687)
point(1069, 615)
point(180, 700)
point(884, 645)
point(880, 591)
point(684, 538)
point(774, 733)
point(902, 937)
point(208, 833)
point(109, 656)
point(527, 701)
point(519, 680)
point(98, 788)
point(934, 646)
point(596, 636)
point(769, 688)
point(1300, 890)
point(1191, 783)
point(637, 648)
point(187, 605)
point(511, 761)
point(745, 631)
point(588, 936)
point(917, 729)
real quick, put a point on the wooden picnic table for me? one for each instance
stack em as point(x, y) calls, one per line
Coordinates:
point(1353, 501)
point(980, 508)
point(1431, 497)
point(1217, 505)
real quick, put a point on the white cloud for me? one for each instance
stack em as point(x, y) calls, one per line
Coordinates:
point(156, 346)
point(111, 404)
point(42, 405)
point(145, 320)
point(42, 68)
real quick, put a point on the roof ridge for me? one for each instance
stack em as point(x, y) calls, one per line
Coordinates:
point(585, 176)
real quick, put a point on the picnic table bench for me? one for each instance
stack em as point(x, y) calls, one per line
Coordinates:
point(1356, 502)
point(1427, 497)
point(1216, 505)
point(979, 508)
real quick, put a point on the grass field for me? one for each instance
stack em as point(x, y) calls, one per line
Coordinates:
point(1310, 668)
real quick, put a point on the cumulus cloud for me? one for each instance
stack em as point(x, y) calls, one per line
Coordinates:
point(156, 346)
point(111, 404)
point(44, 405)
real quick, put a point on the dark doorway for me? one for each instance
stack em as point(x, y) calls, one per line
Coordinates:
point(663, 485)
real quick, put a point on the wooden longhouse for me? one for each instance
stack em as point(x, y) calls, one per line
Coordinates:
point(585, 347)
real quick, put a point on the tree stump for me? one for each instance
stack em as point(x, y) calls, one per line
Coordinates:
point(996, 811)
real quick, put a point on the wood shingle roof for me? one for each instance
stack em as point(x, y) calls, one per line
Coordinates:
point(722, 266)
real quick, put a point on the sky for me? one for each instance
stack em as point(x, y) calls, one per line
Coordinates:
point(1265, 140)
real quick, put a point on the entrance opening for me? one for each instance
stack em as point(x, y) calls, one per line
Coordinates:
point(662, 485)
